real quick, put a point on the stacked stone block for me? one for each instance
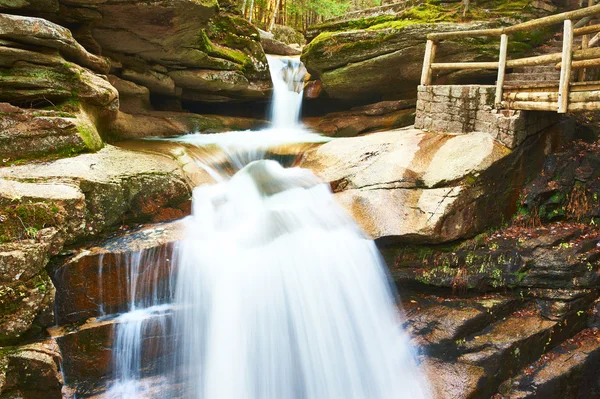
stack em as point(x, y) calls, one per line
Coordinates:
point(464, 109)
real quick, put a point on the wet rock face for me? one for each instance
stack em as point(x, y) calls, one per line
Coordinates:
point(555, 264)
point(568, 371)
point(97, 280)
point(474, 346)
point(540, 337)
point(45, 205)
point(62, 202)
point(569, 186)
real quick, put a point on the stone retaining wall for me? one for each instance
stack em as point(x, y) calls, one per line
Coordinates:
point(465, 109)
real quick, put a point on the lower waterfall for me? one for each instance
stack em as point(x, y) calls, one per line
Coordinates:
point(276, 292)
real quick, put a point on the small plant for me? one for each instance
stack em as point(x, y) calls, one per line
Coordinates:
point(578, 205)
point(566, 245)
point(31, 232)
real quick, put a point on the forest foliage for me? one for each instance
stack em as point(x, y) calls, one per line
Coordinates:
point(298, 14)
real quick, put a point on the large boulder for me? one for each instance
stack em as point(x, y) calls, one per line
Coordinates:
point(108, 265)
point(379, 55)
point(384, 63)
point(412, 186)
point(276, 47)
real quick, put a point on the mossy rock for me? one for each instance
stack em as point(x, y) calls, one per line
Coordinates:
point(383, 61)
point(435, 11)
point(22, 303)
point(65, 129)
point(235, 39)
point(385, 64)
point(287, 35)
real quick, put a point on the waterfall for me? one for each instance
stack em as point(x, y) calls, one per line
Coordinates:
point(277, 292)
point(288, 88)
point(142, 337)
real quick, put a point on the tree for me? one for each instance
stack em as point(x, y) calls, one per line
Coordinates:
point(275, 10)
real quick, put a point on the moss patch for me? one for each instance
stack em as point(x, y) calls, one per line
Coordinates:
point(433, 11)
point(25, 220)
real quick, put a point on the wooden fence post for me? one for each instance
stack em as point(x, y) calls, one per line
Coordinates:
point(427, 61)
point(585, 42)
point(501, 69)
point(565, 69)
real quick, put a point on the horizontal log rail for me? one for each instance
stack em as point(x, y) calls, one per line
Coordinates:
point(522, 27)
point(566, 61)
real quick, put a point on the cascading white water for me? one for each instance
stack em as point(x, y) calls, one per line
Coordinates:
point(288, 87)
point(279, 295)
point(142, 334)
point(283, 297)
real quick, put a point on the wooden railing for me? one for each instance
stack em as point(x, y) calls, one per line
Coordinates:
point(567, 60)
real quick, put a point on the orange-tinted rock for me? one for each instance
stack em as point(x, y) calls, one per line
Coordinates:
point(313, 89)
point(98, 280)
point(88, 361)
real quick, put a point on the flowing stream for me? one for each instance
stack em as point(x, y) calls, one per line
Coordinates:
point(275, 293)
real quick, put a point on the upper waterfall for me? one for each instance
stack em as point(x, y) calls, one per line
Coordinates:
point(287, 74)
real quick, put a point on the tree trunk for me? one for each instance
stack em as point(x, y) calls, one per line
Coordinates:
point(244, 8)
point(250, 11)
point(466, 7)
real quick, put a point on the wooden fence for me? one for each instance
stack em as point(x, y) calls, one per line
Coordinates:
point(562, 96)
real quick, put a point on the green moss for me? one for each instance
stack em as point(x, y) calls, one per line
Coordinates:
point(24, 220)
point(558, 198)
point(394, 24)
point(432, 11)
point(361, 23)
point(219, 51)
point(89, 136)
